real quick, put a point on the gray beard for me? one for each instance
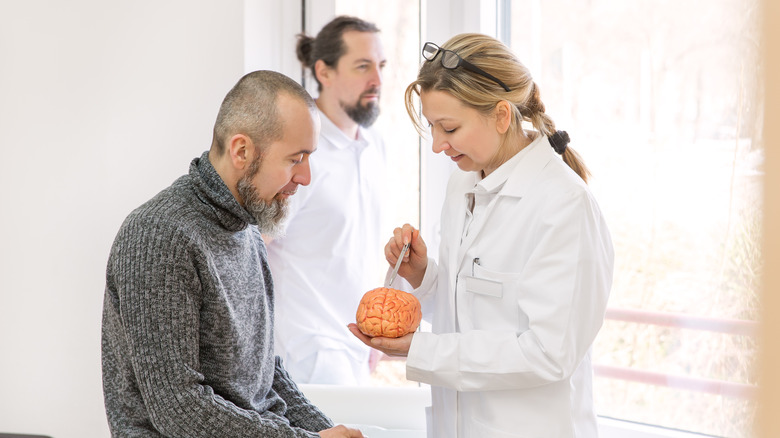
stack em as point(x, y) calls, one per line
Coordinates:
point(269, 215)
point(363, 115)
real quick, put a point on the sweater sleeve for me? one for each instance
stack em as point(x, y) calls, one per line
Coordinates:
point(300, 411)
point(153, 302)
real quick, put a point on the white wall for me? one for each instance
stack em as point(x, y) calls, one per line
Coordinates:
point(270, 29)
point(102, 104)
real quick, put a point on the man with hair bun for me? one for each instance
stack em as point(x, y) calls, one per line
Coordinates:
point(188, 311)
point(329, 256)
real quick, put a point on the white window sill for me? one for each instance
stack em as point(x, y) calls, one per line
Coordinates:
point(612, 428)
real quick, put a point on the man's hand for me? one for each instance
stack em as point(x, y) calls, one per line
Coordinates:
point(341, 431)
point(389, 346)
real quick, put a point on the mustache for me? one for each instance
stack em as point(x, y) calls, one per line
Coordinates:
point(374, 90)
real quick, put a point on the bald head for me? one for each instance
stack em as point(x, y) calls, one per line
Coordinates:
point(251, 108)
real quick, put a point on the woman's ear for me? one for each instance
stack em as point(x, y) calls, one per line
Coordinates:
point(504, 115)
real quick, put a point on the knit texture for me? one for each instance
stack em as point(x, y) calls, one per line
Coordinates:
point(188, 322)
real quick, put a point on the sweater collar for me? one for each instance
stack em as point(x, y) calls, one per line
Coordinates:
point(211, 189)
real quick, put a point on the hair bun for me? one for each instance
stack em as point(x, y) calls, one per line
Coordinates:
point(559, 140)
point(304, 49)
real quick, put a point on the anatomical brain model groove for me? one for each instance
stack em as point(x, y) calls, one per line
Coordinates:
point(388, 312)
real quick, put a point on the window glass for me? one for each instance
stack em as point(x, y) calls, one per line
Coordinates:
point(663, 100)
point(402, 50)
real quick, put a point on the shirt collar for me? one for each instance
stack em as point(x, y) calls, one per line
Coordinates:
point(333, 134)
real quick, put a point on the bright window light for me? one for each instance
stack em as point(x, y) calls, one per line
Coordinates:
point(663, 100)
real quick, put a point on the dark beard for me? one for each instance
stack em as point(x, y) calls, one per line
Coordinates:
point(363, 115)
point(269, 215)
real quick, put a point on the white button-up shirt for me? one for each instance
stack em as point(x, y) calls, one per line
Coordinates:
point(331, 255)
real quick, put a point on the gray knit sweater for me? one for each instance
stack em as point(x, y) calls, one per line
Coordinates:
point(188, 322)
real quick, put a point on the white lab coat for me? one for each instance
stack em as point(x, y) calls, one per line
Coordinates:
point(509, 351)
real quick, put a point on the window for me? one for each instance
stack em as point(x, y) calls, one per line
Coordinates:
point(402, 50)
point(663, 100)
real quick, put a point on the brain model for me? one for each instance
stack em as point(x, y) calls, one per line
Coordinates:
point(388, 312)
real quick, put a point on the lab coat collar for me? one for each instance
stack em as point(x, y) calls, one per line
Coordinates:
point(336, 136)
point(496, 180)
point(525, 166)
point(518, 174)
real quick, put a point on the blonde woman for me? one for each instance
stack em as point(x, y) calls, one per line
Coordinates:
point(525, 262)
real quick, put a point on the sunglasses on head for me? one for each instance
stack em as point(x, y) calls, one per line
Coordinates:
point(451, 60)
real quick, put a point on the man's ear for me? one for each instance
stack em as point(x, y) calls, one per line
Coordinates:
point(504, 115)
point(323, 72)
point(240, 150)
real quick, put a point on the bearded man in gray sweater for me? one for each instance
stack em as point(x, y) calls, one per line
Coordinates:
point(189, 302)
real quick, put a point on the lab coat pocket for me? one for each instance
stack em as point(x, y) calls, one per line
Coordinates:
point(484, 286)
point(489, 301)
